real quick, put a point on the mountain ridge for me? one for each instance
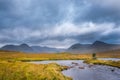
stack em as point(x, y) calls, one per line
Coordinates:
point(97, 46)
point(30, 49)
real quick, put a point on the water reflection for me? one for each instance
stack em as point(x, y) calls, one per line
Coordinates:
point(81, 71)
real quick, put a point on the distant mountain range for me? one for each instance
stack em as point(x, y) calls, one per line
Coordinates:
point(31, 49)
point(96, 47)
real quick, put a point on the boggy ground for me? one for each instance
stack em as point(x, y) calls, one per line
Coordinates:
point(27, 71)
point(103, 62)
point(13, 67)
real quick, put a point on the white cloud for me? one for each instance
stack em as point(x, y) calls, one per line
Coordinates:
point(69, 29)
point(59, 44)
point(63, 30)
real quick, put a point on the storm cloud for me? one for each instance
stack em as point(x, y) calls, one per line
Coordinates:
point(59, 23)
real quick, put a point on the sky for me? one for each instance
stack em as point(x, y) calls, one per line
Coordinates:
point(59, 23)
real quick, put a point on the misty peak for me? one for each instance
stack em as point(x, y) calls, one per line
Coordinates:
point(24, 45)
point(99, 43)
point(75, 46)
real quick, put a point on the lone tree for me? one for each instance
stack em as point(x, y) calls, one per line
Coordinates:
point(94, 55)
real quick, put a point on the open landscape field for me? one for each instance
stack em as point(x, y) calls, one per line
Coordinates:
point(11, 68)
point(20, 56)
point(59, 39)
point(14, 66)
point(27, 71)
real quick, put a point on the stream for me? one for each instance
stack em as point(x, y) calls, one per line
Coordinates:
point(81, 71)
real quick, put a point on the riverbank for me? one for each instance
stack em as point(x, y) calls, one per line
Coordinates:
point(103, 62)
point(78, 70)
point(29, 71)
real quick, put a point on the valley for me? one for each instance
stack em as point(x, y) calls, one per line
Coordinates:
point(55, 66)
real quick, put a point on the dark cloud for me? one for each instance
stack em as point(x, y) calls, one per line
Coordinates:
point(59, 23)
point(97, 13)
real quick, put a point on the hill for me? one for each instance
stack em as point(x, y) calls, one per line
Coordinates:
point(22, 48)
point(97, 46)
point(30, 49)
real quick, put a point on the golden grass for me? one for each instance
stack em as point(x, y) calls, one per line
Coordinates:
point(109, 54)
point(19, 56)
point(37, 57)
point(104, 62)
point(11, 67)
point(27, 71)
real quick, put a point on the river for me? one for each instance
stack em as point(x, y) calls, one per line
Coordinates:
point(82, 71)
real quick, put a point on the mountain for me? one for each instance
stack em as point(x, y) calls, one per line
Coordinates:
point(97, 46)
point(22, 48)
point(31, 49)
point(100, 44)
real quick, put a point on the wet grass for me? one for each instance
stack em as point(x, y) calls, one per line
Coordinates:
point(27, 71)
point(13, 65)
point(19, 56)
point(104, 62)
